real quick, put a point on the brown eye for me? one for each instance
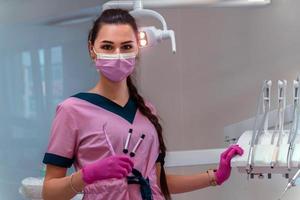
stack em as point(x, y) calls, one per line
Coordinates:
point(106, 47)
point(127, 47)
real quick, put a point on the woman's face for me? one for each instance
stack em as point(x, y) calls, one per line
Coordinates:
point(115, 38)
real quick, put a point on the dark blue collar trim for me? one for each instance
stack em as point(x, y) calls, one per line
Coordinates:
point(127, 112)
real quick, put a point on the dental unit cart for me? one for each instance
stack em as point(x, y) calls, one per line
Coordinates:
point(272, 151)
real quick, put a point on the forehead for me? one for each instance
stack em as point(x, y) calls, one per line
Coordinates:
point(115, 33)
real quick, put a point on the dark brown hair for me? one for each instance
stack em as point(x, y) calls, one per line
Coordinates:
point(120, 16)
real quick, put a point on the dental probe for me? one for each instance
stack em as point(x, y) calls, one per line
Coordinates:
point(290, 184)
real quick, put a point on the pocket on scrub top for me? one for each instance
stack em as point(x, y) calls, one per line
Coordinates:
point(93, 146)
point(116, 189)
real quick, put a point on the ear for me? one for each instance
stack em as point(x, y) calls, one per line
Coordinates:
point(91, 52)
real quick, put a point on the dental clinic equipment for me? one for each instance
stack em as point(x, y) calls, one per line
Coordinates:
point(292, 136)
point(148, 36)
point(151, 35)
point(273, 148)
point(265, 94)
point(281, 111)
point(294, 130)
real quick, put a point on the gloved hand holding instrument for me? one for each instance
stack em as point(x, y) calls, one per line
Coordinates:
point(111, 167)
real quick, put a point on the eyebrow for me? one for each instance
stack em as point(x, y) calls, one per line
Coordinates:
point(110, 42)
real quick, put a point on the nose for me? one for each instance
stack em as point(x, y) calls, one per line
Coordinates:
point(117, 51)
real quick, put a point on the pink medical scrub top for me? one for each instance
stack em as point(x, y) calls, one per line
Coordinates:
point(88, 127)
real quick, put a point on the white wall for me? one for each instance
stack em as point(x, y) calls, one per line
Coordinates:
point(223, 56)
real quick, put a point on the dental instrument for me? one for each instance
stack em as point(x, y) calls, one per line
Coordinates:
point(266, 109)
point(265, 96)
point(249, 166)
point(125, 150)
point(133, 152)
point(281, 111)
point(290, 184)
point(294, 129)
point(267, 104)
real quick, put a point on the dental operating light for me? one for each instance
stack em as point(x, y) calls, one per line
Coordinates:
point(148, 36)
point(152, 35)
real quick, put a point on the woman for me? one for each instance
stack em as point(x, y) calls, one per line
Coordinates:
point(111, 134)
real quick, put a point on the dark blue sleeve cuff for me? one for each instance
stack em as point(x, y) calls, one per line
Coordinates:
point(57, 160)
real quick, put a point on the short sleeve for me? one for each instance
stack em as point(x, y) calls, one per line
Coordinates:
point(62, 141)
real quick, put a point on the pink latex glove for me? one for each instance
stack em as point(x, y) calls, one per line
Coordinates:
point(223, 173)
point(110, 167)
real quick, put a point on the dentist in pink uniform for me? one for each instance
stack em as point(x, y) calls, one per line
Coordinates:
point(112, 135)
